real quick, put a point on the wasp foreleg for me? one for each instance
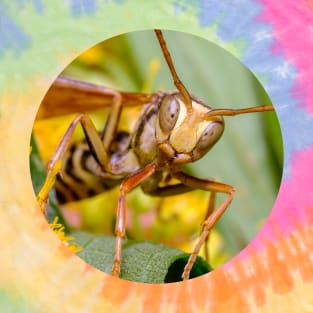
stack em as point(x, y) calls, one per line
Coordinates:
point(110, 128)
point(126, 186)
point(55, 163)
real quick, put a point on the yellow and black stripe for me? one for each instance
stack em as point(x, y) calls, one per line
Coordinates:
point(79, 178)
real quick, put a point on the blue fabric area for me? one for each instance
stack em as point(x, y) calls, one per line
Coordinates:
point(89, 7)
point(12, 36)
point(37, 4)
point(82, 7)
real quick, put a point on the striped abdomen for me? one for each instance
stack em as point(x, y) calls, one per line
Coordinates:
point(78, 179)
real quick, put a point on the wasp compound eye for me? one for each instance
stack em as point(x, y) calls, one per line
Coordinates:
point(168, 114)
point(208, 138)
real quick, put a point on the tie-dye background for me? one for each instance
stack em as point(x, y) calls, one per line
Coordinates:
point(273, 38)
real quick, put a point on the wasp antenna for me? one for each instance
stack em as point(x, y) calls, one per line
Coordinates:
point(230, 112)
point(178, 83)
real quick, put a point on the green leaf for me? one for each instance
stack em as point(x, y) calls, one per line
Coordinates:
point(142, 261)
point(37, 169)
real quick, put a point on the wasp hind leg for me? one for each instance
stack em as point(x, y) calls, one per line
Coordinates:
point(209, 211)
point(212, 216)
point(177, 189)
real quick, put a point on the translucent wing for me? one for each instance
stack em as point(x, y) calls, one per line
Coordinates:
point(67, 96)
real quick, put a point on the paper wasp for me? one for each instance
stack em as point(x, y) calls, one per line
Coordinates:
point(174, 128)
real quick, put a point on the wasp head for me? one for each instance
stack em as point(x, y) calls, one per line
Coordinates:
point(184, 132)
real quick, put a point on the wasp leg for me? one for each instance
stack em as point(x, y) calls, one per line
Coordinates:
point(212, 219)
point(54, 165)
point(126, 186)
point(167, 191)
point(209, 211)
point(110, 127)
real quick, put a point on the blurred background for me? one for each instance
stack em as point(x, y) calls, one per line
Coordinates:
point(248, 156)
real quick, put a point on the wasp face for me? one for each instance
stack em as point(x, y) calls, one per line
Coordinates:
point(185, 132)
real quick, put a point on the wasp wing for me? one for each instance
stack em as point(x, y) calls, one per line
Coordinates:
point(67, 96)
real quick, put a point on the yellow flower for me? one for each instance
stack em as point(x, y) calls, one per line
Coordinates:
point(58, 228)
